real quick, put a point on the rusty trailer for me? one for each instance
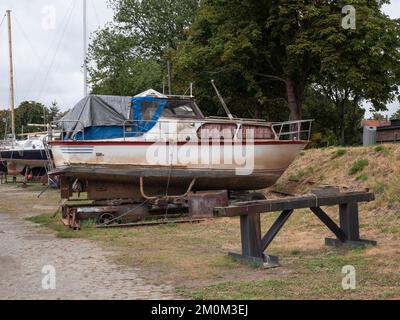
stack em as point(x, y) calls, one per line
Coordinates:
point(191, 207)
point(254, 245)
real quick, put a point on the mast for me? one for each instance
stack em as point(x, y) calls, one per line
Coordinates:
point(85, 88)
point(11, 74)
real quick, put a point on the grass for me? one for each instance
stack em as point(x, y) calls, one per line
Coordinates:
point(379, 149)
point(339, 153)
point(363, 177)
point(358, 166)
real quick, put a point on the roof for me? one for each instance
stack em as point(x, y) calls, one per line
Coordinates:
point(151, 93)
point(375, 123)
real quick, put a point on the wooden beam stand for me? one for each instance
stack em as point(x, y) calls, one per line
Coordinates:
point(254, 245)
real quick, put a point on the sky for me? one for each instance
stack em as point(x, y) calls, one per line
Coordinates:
point(48, 49)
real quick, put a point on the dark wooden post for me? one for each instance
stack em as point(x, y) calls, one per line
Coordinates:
point(350, 226)
point(252, 247)
point(250, 228)
point(349, 221)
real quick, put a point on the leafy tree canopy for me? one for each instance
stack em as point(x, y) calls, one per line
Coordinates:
point(276, 49)
point(129, 55)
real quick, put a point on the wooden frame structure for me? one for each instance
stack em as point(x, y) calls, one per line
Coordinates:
point(254, 245)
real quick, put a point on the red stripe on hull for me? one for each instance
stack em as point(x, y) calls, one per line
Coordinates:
point(145, 143)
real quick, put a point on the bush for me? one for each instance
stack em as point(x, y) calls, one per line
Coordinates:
point(379, 149)
point(358, 166)
point(363, 177)
point(339, 153)
point(379, 188)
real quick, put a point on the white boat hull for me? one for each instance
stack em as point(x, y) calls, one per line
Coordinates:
point(224, 166)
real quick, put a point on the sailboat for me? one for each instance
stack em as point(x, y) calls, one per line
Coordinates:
point(21, 156)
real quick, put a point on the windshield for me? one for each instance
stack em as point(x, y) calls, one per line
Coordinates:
point(181, 109)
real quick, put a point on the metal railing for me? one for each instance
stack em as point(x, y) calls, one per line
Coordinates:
point(187, 129)
point(162, 130)
point(55, 128)
point(293, 130)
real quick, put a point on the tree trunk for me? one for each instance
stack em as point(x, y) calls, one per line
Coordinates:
point(342, 139)
point(169, 67)
point(295, 95)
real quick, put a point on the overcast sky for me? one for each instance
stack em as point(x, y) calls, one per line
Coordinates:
point(48, 45)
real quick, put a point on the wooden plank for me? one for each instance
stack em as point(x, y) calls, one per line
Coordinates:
point(330, 224)
point(150, 223)
point(250, 227)
point(292, 203)
point(349, 221)
point(275, 228)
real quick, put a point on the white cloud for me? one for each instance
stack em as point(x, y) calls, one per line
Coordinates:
point(42, 72)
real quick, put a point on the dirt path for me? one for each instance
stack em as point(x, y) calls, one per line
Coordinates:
point(83, 269)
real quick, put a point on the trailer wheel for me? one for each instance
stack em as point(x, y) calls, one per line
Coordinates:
point(107, 219)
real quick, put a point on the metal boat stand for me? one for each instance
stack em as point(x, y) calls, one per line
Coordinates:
point(254, 245)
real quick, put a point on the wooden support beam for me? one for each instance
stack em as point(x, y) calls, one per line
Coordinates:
point(275, 228)
point(349, 221)
point(253, 246)
point(292, 203)
point(330, 224)
point(250, 227)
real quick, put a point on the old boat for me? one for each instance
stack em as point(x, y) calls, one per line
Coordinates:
point(152, 144)
point(24, 156)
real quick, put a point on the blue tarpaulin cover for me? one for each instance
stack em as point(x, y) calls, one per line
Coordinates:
point(103, 117)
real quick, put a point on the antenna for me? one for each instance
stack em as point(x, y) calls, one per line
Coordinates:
point(222, 101)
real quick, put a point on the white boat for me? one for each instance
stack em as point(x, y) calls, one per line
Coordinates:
point(153, 144)
point(24, 156)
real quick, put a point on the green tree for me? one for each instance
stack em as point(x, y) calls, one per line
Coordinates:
point(54, 112)
point(30, 112)
point(129, 55)
point(5, 121)
point(396, 115)
point(225, 44)
point(276, 49)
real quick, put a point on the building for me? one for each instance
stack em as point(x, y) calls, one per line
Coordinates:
point(380, 131)
point(388, 133)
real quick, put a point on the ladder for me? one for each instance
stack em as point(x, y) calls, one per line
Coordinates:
point(50, 167)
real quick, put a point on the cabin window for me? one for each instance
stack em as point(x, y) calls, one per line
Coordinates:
point(181, 109)
point(148, 110)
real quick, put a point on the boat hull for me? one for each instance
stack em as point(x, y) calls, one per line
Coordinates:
point(17, 161)
point(125, 162)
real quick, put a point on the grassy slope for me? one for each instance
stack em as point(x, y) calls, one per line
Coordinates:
point(194, 257)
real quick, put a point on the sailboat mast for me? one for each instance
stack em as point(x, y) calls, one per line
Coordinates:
point(85, 89)
point(11, 74)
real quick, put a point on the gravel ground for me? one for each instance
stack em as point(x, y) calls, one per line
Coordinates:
point(83, 269)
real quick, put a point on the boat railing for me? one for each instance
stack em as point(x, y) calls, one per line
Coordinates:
point(165, 129)
point(293, 130)
point(59, 127)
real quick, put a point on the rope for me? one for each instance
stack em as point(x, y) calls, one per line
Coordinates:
point(2, 20)
point(56, 51)
point(125, 214)
point(38, 71)
point(19, 25)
